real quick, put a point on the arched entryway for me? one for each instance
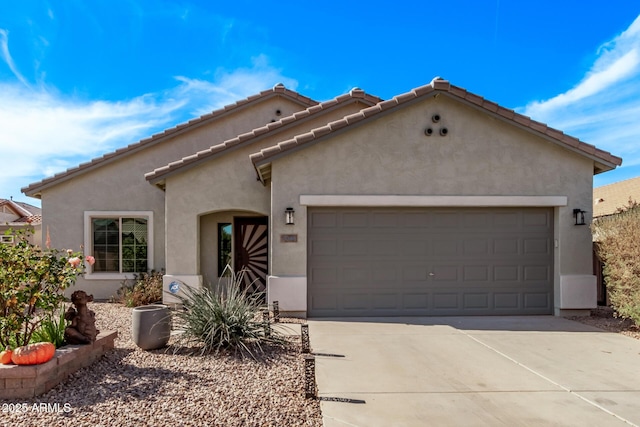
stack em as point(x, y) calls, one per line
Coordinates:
point(237, 238)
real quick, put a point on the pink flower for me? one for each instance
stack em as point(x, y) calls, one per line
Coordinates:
point(91, 260)
point(75, 261)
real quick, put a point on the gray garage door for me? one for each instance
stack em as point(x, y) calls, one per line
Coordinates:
point(403, 262)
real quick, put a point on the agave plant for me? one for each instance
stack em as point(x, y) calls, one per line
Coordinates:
point(223, 318)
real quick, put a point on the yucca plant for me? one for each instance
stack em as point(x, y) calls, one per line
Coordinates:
point(223, 318)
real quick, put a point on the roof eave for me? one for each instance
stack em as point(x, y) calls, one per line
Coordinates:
point(161, 174)
point(35, 189)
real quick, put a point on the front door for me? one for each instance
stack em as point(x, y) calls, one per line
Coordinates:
point(251, 244)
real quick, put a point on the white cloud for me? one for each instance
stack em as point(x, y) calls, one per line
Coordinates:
point(231, 86)
point(6, 56)
point(603, 108)
point(45, 132)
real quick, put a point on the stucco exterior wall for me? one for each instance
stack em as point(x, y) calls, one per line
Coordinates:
point(121, 186)
point(226, 183)
point(480, 156)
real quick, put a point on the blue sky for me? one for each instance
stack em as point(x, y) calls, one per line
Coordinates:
point(82, 78)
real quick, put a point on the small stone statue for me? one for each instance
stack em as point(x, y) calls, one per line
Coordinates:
point(82, 329)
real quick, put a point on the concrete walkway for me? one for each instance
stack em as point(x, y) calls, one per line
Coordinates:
point(474, 371)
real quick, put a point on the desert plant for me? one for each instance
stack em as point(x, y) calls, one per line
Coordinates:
point(32, 282)
point(51, 329)
point(143, 289)
point(224, 318)
point(618, 245)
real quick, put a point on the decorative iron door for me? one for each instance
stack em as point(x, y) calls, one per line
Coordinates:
point(251, 246)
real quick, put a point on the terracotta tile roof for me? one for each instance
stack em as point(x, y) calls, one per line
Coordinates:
point(31, 219)
point(604, 160)
point(29, 214)
point(355, 95)
point(608, 198)
point(277, 90)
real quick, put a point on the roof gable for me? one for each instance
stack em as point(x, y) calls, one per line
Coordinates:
point(603, 160)
point(278, 90)
point(17, 213)
point(356, 95)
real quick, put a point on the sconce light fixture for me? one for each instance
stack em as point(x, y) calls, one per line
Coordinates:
point(288, 216)
point(578, 214)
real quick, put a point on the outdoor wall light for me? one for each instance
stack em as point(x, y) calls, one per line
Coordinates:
point(288, 216)
point(578, 214)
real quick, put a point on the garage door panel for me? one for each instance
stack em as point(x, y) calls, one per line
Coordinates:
point(354, 220)
point(416, 220)
point(475, 273)
point(324, 302)
point(414, 248)
point(506, 300)
point(323, 247)
point(506, 246)
point(475, 301)
point(386, 301)
point(356, 301)
point(476, 246)
point(444, 273)
point(537, 219)
point(537, 273)
point(476, 220)
point(384, 247)
point(415, 301)
point(506, 273)
point(536, 300)
point(444, 247)
point(445, 301)
point(537, 246)
point(507, 221)
point(353, 247)
point(323, 219)
point(437, 261)
point(444, 220)
point(414, 273)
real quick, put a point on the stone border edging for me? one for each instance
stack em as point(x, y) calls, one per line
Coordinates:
point(26, 381)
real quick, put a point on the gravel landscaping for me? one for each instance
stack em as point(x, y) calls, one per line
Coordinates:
point(131, 387)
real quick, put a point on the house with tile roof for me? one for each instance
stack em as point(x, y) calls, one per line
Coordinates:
point(434, 202)
point(608, 199)
point(16, 216)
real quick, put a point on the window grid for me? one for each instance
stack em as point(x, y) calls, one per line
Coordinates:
point(120, 245)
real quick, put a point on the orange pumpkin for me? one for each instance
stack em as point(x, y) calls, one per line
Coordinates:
point(33, 354)
point(5, 356)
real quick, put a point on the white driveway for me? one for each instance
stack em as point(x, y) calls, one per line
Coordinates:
point(474, 371)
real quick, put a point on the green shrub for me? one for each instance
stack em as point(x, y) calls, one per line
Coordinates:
point(145, 288)
point(32, 283)
point(225, 318)
point(51, 329)
point(618, 245)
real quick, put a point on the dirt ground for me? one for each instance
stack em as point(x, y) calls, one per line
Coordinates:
point(604, 318)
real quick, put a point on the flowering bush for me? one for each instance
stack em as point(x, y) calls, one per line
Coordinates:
point(31, 280)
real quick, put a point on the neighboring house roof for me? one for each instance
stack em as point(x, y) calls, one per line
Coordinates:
point(609, 198)
point(34, 189)
point(21, 213)
point(604, 160)
point(355, 95)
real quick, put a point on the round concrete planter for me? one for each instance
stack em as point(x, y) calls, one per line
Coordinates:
point(151, 326)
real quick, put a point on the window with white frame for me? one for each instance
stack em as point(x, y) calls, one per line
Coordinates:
point(120, 242)
point(6, 239)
